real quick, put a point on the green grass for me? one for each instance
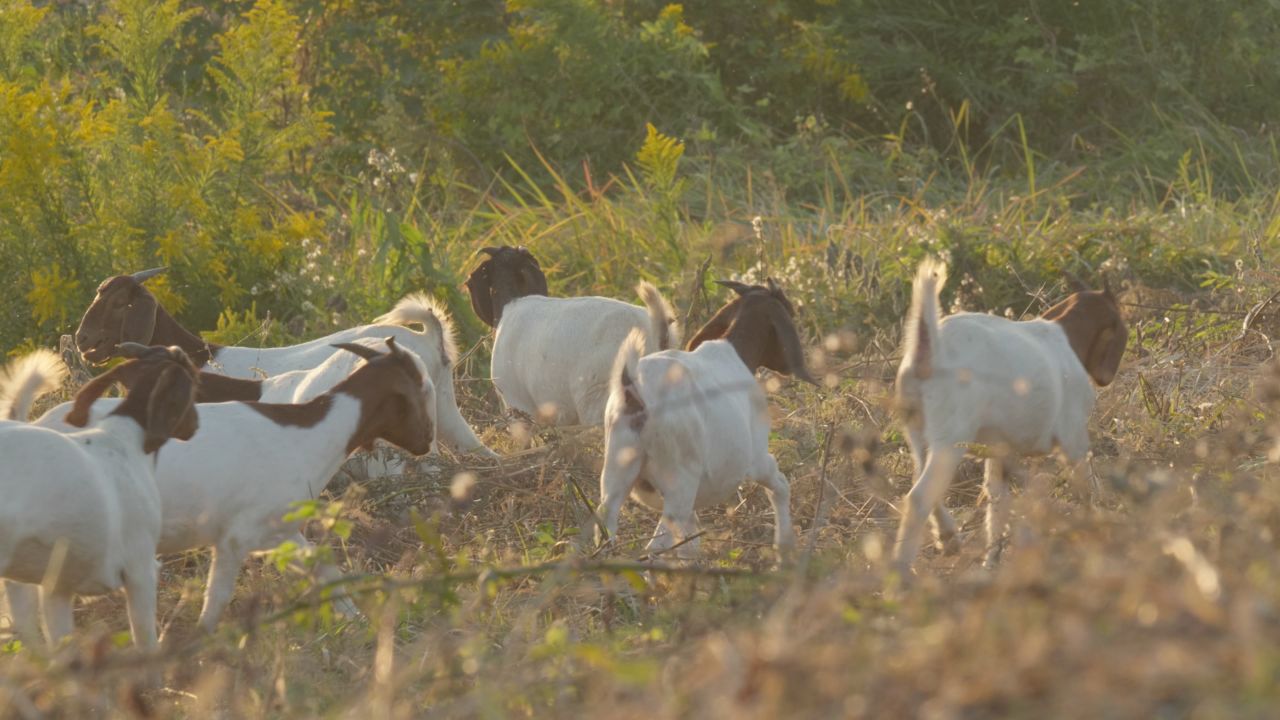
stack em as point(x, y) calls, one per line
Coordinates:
point(1157, 600)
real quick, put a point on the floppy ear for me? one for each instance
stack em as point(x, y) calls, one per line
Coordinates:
point(139, 317)
point(784, 353)
point(125, 373)
point(170, 409)
point(363, 351)
point(480, 285)
point(532, 280)
point(1106, 353)
point(718, 326)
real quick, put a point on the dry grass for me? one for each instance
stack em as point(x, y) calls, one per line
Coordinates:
point(1158, 599)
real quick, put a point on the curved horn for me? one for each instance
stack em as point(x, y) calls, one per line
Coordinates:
point(490, 251)
point(363, 351)
point(773, 284)
point(734, 285)
point(1106, 287)
point(144, 275)
point(132, 349)
point(393, 347)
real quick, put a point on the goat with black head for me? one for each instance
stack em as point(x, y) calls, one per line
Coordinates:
point(684, 429)
point(552, 356)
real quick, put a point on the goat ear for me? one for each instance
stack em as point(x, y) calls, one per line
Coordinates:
point(787, 354)
point(139, 317)
point(170, 409)
point(718, 326)
point(363, 351)
point(480, 285)
point(1106, 352)
point(532, 280)
point(89, 394)
point(734, 285)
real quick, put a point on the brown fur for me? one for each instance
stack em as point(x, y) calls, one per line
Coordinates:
point(125, 311)
point(508, 274)
point(391, 403)
point(302, 415)
point(220, 388)
point(759, 324)
point(1095, 329)
point(718, 326)
point(161, 400)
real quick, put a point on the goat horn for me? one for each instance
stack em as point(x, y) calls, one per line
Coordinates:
point(144, 275)
point(132, 349)
point(490, 251)
point(1106, 287)
point(391, 344)
point(363, 351)
point(735, 286)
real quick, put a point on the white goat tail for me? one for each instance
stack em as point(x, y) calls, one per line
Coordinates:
point(664, 333)
point(623, 383)
point(422, 309)
point(921, 332)
point(26, 379)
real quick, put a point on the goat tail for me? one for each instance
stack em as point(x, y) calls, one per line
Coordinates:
point(921, 332)
point(625, 368)
point(26, 379)
point(664, 328)
point(421, 309)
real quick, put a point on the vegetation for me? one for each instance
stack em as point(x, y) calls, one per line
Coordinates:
point(300, 165)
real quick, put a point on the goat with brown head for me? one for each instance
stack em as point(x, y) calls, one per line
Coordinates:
point(760, 325)
point(125, 311)
point(162, 384)
point(1094, 327)
point(393, 408)
point(509, 273)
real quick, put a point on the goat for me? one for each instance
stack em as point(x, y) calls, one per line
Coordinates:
point(81, 512)
point(683, 429)
point(232, 489)
point(124, 310)
point(1023, 386)
point(552, 356)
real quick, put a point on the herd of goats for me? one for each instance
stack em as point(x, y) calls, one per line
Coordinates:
point(94, 488)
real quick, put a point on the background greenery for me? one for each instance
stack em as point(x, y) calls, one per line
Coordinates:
point(300, 164)
point(309, 161)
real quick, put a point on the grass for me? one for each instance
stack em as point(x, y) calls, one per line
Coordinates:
point(481, 597)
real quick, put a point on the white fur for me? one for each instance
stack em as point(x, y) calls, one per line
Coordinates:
point(91, 493)
point(552, 356)
point(1016, 386)
point(26, 378)
point(328, 366)
point(703, 432)
point(231, 486)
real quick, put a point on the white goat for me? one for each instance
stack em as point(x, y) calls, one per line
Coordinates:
point(552, 356)
point(123, 310)
point(683, 429)
point(1022, 387)
point(231, 489)
point(81, 513)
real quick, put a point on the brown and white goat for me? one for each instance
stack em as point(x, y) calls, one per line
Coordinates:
point(1022, 387)
point(685, 428)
